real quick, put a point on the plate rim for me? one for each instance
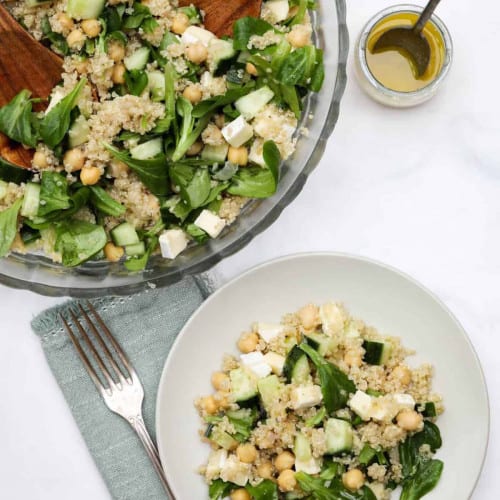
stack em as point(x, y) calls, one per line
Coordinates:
point(344, 255)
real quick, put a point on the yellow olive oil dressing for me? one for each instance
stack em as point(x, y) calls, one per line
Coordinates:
point(394, 69)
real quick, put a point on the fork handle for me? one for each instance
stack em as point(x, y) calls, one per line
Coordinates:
point(139, 427)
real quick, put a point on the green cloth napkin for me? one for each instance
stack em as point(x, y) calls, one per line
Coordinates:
point(145, 325)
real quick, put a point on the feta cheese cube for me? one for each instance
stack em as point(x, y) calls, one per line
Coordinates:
point(194, 34)
point(305, 396)
point(383, 409)
point(255, 362)
point(260, 370)
point(279, 8)
point(235, 471)
point(268, 331)
point(275, 361)
point(404, 401)
point(332, 318)
point(172, 243)
point(256, 152)
point(237, 132)
point(310, 466)
point(210, 223)
point(216, 462)
point(361, 404)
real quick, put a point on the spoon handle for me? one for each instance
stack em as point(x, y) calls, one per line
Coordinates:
point(425, 16)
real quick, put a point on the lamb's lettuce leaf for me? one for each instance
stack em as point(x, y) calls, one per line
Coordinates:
point(17, 121)
point(8, 227)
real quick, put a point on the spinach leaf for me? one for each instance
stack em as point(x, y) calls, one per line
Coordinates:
point(291, 98)
point(243, 422)
point(318, 74)
point(272, 158)
point(136, 80)
point(245, 27)
point(298, 66)
point(113, 16)
point(163, 125)
point(219, 489)
point(335, 384)
point(194, 184)
point(16, 119)
point(423, 481)
point(266, 490)
point(139, 263)
point(12, 173)
point(58, 41)
point(196, 233)
point(175, 209)
point(8, 227)
point(208, 105)
point(78, 241)
point(53, 193)
point(301, 12)
point(103, 202)
point(56, 122)
point(136, 19)
point(331, 490)
point(153, 173)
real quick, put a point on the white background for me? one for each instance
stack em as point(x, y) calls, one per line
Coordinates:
point(418, 189)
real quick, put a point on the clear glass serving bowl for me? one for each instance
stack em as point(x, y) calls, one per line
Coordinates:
point(39, 274)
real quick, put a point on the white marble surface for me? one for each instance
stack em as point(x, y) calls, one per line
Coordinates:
point(419, 189)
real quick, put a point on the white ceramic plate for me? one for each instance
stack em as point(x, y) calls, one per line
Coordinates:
point(382, 297)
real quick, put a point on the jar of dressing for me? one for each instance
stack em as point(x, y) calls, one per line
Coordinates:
point(388, 77)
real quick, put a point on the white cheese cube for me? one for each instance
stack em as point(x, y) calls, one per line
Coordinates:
point(210, 223)
point(194, 34)
point(216, 462)
point(305, 396)
point(269, 331)
point(332, 318)
point(280, 10)
point(311, 466)
point(235, 471)
point(260, 370)
point(383, 409)
point(256, 152)
point(275, 361)
point(255, 362)
point(404, 401)
point(361, 404)
point(237, 132)
point(172, 243)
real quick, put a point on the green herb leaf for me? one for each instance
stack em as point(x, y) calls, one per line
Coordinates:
point(298, 66)
point(136, 80)
point(58, 41)
point(196, 233)
point(245, 27)
point(163, 125)
point(113, 16)
point(266, 490)
point(8, 227)
point(253, 182)
point(208, 105)
point(219, 489)
point(53, 193)
point(194, 184)
point(320, 489)
point(272, 158)
point(139, 263)
point(56, 122)
point(103, 202)
point(318, 74)
point(16, 119)
point(423, 481)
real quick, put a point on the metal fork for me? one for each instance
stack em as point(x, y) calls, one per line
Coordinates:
point(123, 393)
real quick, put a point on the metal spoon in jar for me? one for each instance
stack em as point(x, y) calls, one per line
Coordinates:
point(410, 40)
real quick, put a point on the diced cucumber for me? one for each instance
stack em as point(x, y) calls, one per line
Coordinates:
point(156, 85)
point(251, 104)
point(85, 9)
point(3, 189)
point(339, 436)
point(367, 454)
point(429, 410)
point(321, 342)
point(302, 448)
point(78, 134)
point(215, 153)
point(243, 385)
point(124, 234)
point(136, 249)
point(147, 150)
point(296, 367)
point(137, 60)
point(269, 389)
point(377, 353)
point(220, 55)
point(31, 200)
point(223, 439)
point(315, 420)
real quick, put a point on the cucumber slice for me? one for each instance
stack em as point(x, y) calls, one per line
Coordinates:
point(251, 104)
point(156, 85)
point(31, 200)
point(137, 60)
point(147, 150)
point(3, 189)
point(243, 385)
point(269, 389)
point(136, 249)
point(321, 342)
point(78, 134)
point(223, 439)
point(339, 436)
point(296, 367)
point(429, 410)
point(376, 353)
point(85, 9)
point(216, 154)
point(124, 234)
point(220, 55)
point(302, 448)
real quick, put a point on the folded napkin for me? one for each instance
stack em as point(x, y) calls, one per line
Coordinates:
point(145, 325)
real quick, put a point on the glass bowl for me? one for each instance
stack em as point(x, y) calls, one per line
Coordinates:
point(39, 274)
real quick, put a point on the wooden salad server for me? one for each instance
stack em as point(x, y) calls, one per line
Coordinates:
point(24, 64)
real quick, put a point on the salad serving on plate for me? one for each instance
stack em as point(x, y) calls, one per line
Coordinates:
point(159, 133)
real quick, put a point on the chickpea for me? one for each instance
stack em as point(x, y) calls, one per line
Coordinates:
point(402, 374)
point(195, 149)
point(240, 494)
point(197, 53)
point(251, 69)
point(285, 460)
point(75, 39)
point(91, 27)
point(116, 51)
point(298, 37)
point(73, 160)
point(265, 470)
point(220, 381)
point(112, 252)
point(286, 480)
point(239, 156)
point(220, 120)
point(209, 405)
point(118, 74)
point(353, 479)
point(4, 141)
point(65, 22)
point(247, 453)
point(309, 316)
point(193, 94)
point(248, 342)
point(352, 358)
point(90, 176)
point(81, 65)
point(40, 160)
point(409, 420)
point(180, 23)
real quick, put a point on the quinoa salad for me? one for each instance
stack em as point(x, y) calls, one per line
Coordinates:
point(159, 132)
point(320, 406)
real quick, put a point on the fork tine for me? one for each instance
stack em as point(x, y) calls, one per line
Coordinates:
point(94, 352)
point(83, 356)
point(121, 354)
point(122, 377)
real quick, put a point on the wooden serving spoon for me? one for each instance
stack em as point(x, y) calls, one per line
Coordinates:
point(24, 64)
